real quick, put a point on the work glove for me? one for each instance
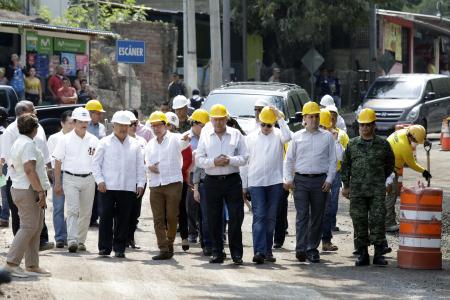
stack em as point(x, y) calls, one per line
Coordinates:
point(426, 175)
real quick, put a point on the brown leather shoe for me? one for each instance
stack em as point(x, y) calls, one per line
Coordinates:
point(4, 223)
point(163, 255)
point(329, 246)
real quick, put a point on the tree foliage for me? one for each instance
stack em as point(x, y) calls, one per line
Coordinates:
point(13, 5)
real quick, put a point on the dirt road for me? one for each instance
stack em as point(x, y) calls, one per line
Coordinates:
point(190, 276)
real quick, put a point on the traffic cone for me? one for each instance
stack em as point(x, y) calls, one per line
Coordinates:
point(445, 135)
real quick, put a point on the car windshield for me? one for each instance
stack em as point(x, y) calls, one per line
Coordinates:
point(395, 89)
point(241, 105)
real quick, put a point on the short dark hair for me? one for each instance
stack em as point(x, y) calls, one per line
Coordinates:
point(27, 123)
point(135, 112)
point(195, 92)
point(65, 115)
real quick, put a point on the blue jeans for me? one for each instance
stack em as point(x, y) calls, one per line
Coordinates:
point(59, 223)
point(205, 231)
point(265, 201)
point(329, 220)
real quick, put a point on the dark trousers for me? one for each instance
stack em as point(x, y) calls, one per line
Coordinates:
point(183, 217)
point(114, 220)
point(218, 191)
point(95, 207)
point(205, 239)
point(134, 216)
point(193, 212)
point(281, 224)
point(310, 204)
point(329, 219)
point(15, 215)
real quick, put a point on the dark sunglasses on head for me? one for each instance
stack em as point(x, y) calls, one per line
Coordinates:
point(266, 125)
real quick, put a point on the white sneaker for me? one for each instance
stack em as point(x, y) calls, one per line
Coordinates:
point(16, 271)
point(38, 271)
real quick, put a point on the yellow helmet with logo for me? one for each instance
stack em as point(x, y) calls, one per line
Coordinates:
point(218, 111)
point(325, 118)
point(418, 132)
point(200, 115)
point(267, 116)
point(311, 108)
point(366, 116)
point(94, 105)
point(157, 116)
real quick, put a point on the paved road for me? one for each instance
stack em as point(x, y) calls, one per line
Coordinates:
point(190, 276)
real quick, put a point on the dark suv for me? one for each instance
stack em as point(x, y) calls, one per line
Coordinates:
point(240, 97)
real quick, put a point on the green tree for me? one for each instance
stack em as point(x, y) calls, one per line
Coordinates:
point(13, 5)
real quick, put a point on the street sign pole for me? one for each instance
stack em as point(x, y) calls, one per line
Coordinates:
point(129, 86)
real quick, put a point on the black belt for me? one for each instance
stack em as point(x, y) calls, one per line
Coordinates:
point(222, 177)
point(311, 175)
point(78, 175)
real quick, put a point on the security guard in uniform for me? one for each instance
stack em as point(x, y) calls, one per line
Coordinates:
point(367, 162)
point(402, 143)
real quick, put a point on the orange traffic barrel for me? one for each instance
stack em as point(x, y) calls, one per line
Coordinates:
point(420, 228)
point(445, 135)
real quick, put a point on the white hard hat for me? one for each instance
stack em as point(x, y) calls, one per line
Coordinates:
point(130, 115)
point(81, 114)
point(120, 117)
point(326, 100)
point(172, 118)
point(180, 101)
point(332, 108)
point(261, 103)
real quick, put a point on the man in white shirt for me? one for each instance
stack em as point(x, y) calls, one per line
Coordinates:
point(263, 176)
point(9, 137)
point(311, 156)
point(75, 150)
point(118, 168)
point(327, 100)
point(164, 161)
point(221, 151)
point(59, 223)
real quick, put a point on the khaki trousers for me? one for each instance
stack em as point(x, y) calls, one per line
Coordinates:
point(164, 201)
point(26, 240)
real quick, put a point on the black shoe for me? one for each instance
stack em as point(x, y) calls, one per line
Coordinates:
point(133, 245)
point(258, 258)
point(378, 258)
point(163, 255)
point(171, 249)
point(60, 244)
point(73, 247)
point(363, 258)
point(277, 246)
point(237, 260)
point(185, 244)
point(46, 246)
point(385, 248)
point(356, 252)
point(120, 255)
point(313, 257)
point(216, 259)
point(270, 258)
point(301, 256)
point(335, 229)
point(104, 253)
point(93, 224)
point(207, 251)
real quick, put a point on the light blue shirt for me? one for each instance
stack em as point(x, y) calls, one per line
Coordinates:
point(97, 129)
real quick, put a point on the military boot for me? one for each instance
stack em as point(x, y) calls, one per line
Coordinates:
point(363, 257)
point(378, 258)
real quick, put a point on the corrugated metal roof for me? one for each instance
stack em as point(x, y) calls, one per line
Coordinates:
point(13, 23)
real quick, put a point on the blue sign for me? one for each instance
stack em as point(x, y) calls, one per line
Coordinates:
point(130, 51)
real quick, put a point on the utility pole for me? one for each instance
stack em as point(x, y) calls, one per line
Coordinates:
point(373, 37)
point(226, 41)
point(96, 14)
point(189, 46)
point(215, 77)
point(244, 40)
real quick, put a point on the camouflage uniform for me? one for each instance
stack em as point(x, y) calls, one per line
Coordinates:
point(365, 167)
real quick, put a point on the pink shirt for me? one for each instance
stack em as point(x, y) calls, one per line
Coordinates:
point(144, 132)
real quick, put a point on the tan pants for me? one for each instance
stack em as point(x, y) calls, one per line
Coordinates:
point(26, 241)
point(164, 201)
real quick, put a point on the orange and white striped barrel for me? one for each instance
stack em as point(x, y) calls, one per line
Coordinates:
point(445, 135)
point(420, 228)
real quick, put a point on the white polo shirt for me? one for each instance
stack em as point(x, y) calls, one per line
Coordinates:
point(52, 142)
point(76, 153)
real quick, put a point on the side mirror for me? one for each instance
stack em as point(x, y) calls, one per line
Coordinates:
point(430, 96)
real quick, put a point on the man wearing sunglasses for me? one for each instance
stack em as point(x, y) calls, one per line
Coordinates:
point(259, 105)
point(310, 168)
point(263, 177)
point(368, 161)
point(403, 142)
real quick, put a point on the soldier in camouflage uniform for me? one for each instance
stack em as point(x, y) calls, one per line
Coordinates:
point(367, 162)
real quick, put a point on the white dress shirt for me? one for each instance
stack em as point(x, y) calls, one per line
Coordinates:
point(167, 155)
point(311, 153)
point(51, 144)
point(76, 153)
point(24, 150)
point(119, 166)
point(340, 123)
point(265, 161)
point(211, 146)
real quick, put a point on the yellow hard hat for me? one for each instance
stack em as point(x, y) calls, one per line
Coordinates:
point(311, 108)
point(418, 132)
point(267, 116)
point(325, 118)
point(218, 111)
point(94, 105)
point(366, 116)
point(200, 115)
point(157, 116)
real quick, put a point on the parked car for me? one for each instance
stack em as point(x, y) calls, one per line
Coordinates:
point(240, 97)
point(409, 99)
point(48, 115)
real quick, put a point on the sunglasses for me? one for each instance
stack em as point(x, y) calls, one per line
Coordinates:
point(266, 125)
point(197, 123)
